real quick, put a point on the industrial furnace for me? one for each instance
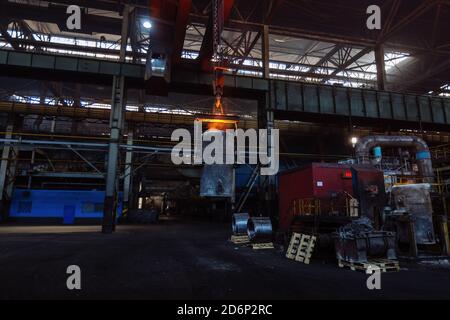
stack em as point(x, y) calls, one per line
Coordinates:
point(329, 184)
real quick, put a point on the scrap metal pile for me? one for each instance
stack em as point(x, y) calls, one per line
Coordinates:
point(359, 242)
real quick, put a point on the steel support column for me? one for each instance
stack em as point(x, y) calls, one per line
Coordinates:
point(381, 68)
point(124, 33)
point(128, 174)
point(116, 122)
point(267, 183)
point(4, 196)
point(265, 52)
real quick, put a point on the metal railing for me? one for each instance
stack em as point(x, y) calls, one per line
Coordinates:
point(345, 205)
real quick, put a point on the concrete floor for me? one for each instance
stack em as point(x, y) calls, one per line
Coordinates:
point(181, 260)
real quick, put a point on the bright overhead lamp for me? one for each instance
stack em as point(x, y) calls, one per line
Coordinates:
point(147, 24)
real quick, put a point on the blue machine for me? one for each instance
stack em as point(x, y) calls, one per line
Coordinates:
point(244, 172)
point(67, 205)
point(242, 175)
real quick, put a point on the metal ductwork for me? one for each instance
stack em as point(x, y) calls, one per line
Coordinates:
point(423, 156)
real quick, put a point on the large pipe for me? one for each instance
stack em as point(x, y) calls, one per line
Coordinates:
point(423, 156)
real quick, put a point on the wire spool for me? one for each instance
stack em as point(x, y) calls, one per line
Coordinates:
point(239, 223)
point(259, 229)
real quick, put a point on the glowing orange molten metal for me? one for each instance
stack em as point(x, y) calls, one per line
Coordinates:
point(219, 124)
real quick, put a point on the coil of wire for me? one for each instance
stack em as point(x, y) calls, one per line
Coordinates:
point(239, 223)
point(259, 229)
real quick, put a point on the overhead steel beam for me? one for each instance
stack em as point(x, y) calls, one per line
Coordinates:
point(18, 43)
point(325, 58)
point(273, 5)
point(8, 38)
point(348, 63)
point(313, 102)
point(343, 39)
point(416, 13)
point(249, 49)
point(185, 80)
point(381, 67)
point(239, 65)
point(67, 67)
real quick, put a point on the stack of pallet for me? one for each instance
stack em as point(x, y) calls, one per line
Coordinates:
point(382, 265)
point(301, 247)
point(240, 239)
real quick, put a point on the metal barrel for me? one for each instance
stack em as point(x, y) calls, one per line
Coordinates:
point(259, 229)
point(239, 223)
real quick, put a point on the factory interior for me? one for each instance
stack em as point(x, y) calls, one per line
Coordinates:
point(344, 105)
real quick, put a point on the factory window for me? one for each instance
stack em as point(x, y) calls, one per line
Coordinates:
point(92, 207)
point(24, 207)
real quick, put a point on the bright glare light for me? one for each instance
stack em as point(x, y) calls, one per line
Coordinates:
point(354, 140)
point(147, 24)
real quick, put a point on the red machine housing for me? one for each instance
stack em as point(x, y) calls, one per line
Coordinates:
point(316, 181)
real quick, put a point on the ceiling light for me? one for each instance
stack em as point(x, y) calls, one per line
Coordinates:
point(147, 24)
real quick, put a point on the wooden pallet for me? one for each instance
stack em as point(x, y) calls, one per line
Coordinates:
point(293, 245)
point(383, 265)
point(301, 247)
point(264, 245)
point(239, 239)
